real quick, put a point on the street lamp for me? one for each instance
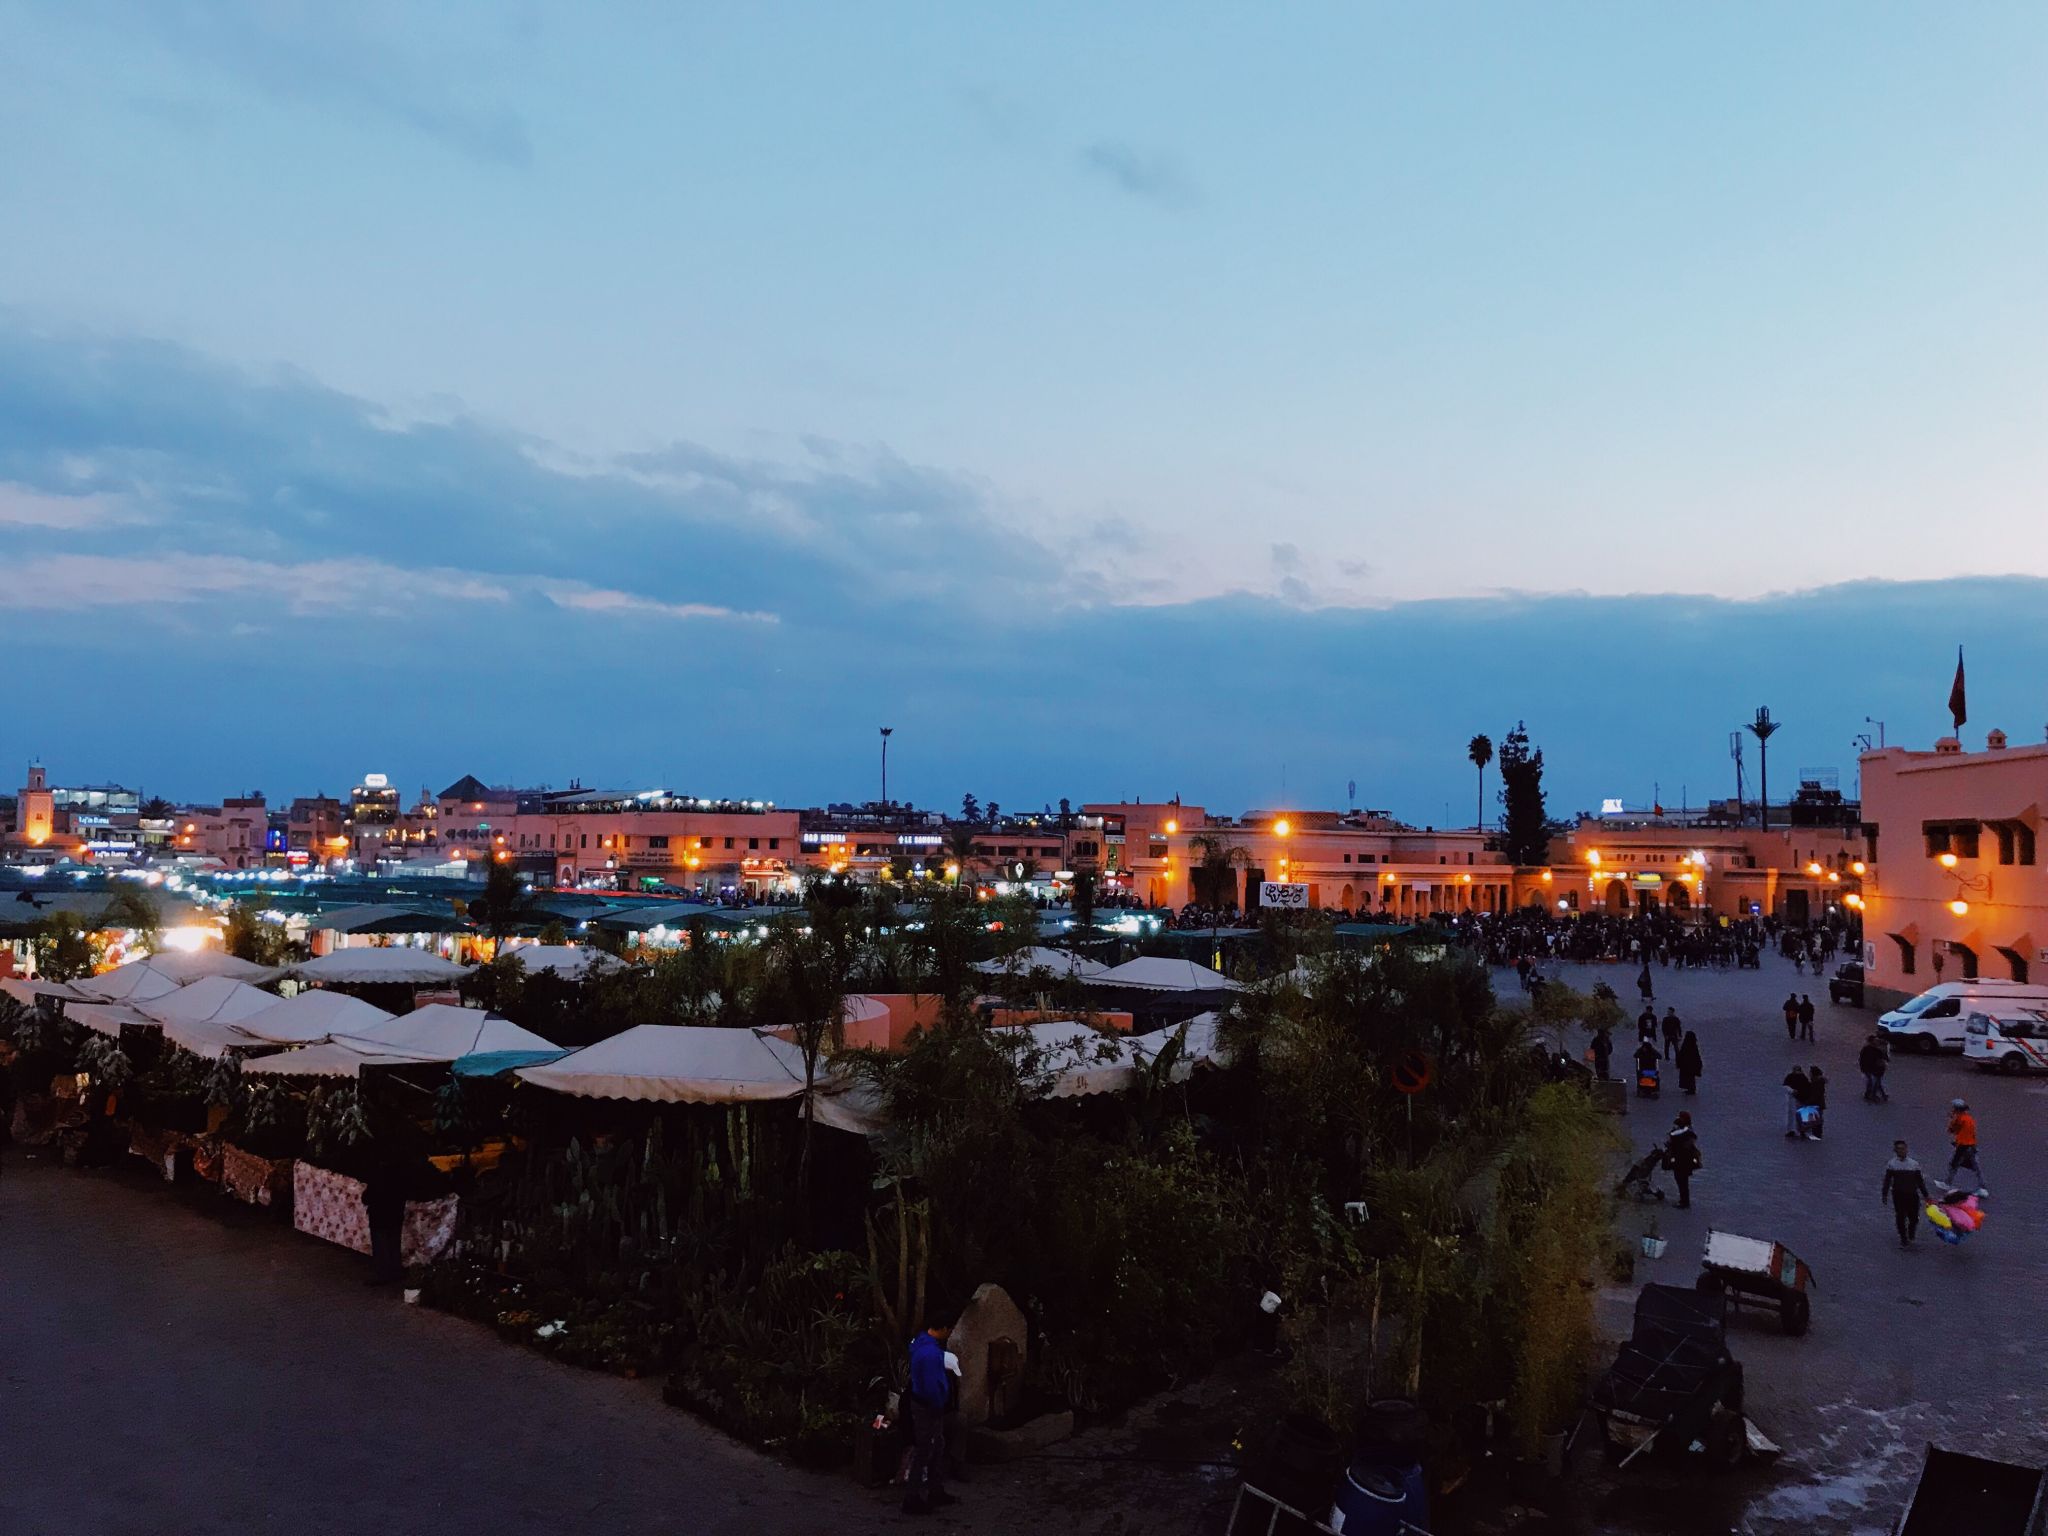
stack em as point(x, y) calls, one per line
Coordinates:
point(887, 731)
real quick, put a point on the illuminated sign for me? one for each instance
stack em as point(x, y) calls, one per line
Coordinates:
point(918, 839)
point(1610, 807)
point(376, 781)
point(1286, 895)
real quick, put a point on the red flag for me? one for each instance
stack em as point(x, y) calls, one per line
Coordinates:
point(1956, 703)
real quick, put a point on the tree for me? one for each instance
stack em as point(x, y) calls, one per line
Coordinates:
point(1524, 819)
point(970, 809)
point(995, 813)
point(156, 808)
point(247, 936)
point(1084, 906)
point(502, 904)
point(960, 849)
point(64, 947)
point(135, 912)
point(1480, 751)
point(1214, 876)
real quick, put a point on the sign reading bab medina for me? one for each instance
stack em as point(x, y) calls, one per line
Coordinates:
point(1285, 894)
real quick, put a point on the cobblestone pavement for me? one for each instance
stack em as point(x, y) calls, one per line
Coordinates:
point(1930, 1343)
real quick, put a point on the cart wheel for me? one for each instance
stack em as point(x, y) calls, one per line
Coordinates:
point(1708, 1283)
point(1796, 1313)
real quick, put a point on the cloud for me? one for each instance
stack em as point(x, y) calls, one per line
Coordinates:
point(606, 600)
point(1149, 174)
point(347, 57)
point(23, 506)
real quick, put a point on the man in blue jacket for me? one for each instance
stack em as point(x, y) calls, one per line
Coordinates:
point(926, 1401)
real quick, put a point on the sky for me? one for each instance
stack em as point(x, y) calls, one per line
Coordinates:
point(1236, 402)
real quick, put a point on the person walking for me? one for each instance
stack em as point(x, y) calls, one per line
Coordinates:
point(1817, 1096)
point(1690, 1066)
point(1673, 1033)
point(1646, 986)
point(929, 1392)
point(1796, 1090)
point(1646, 1024)
point(1871, 1061)
point(1805, 1017)
point(1791, 1015)
point(1603, 1052)
point(384, 1196)
point(1962, 1134)
point(1906, 1188)
point(1682, 1156)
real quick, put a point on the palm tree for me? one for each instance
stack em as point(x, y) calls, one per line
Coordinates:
point(1480, 751)
point(960, 849)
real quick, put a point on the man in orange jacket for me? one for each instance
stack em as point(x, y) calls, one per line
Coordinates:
point(1962, 1130)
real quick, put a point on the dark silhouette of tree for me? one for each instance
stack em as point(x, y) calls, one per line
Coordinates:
point(1524, 820)
point(1084, 906)
point(1480, 751)
point(502, 905)
point(970, 809)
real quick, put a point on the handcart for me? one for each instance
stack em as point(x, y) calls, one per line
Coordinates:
point(1754, 1272)
point(1673, 1384)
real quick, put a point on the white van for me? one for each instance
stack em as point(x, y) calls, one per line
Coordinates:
point(1934, 1021)
point(2009, 1040)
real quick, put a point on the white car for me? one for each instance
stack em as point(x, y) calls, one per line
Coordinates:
point(2010, 1040)
point(1934, 1020)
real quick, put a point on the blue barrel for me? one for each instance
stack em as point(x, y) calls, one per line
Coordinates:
point(1378, 1497)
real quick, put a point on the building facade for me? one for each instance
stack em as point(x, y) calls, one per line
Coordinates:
point(1955, 885)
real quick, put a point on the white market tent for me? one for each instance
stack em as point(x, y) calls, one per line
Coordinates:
point(392, 966)
point(214, 999)
point(107, 1018)
point(1156, 973)
point(185, 967)
point(210, 1038)
point(1076, 1059)
point(310, 1016)
point(442, 1032)
point(1038, 957)
point(571, 962)
point(136, 982)
point(678, 1064)
point(326, 1058)
point(25, 991)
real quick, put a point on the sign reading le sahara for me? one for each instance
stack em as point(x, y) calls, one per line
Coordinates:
point(1276, 893)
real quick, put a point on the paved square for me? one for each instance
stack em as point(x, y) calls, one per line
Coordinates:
point(1932, 1343)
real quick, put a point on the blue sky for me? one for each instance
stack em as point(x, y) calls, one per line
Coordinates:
point(1140, 400)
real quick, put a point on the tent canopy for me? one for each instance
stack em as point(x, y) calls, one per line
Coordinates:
point(571, 962)
point(1156, 973)
point(136, 982)
point(185, 967)
point(678, 1064)
point(107, 1018)
point(394, 966)
point(220, 999)
point(326, 1058)
point(1040, 958)
point(311, 1016)
point(373, 917)
point(442, 1032)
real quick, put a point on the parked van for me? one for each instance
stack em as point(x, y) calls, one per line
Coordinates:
point(2008, 1039)
point(1934, 1021)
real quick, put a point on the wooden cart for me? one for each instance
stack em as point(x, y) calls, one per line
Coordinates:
point(1755, 1272)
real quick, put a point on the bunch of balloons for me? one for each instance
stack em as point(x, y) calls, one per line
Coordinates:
point(1956, 1220)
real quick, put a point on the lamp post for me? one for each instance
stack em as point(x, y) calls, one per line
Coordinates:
point(887, 732)
point(1763, 727)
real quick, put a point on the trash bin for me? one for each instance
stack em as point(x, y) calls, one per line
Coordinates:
point(1378, 1497)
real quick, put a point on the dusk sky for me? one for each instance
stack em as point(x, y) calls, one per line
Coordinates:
point(1117, 401)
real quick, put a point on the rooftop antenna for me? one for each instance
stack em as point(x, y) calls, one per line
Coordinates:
point(1763, 727)
point(1735, 751)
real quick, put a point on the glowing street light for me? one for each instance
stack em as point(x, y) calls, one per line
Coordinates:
point(1960, 907)
point(1281, 828)
point(1857, 868)
point(1948, 861)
